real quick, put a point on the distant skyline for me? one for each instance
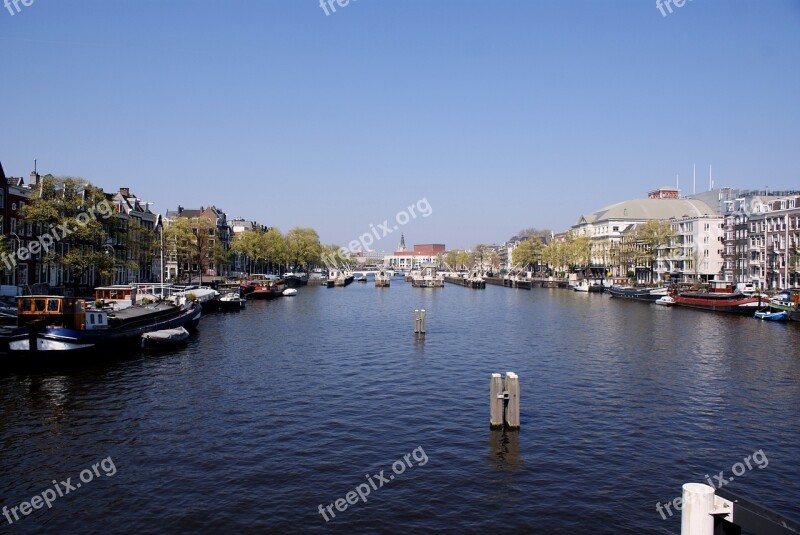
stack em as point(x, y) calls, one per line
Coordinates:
point(502, 115)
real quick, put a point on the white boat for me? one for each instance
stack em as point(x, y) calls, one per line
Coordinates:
point(232, 301)
point(666, 300)
point(165, 337)
point(582, 287)
point(288, 292)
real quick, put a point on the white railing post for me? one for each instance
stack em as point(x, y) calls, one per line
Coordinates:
point(696, 512)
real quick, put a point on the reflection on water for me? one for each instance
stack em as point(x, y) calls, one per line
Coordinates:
point(504, 451)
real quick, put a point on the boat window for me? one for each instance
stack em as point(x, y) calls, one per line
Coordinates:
point(91, 319)
point(25, 305)
point(52, 305)
point(38, 305)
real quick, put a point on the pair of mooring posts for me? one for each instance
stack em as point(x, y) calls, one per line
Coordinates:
point(504, 402)
point(706, 511)
point(419, 322)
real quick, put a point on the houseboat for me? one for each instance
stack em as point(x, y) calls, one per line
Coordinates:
point(648, 295)
point(57, 323)
point(731, 303)
point(266, 289)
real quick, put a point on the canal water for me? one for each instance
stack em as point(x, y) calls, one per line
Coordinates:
point(299, 402)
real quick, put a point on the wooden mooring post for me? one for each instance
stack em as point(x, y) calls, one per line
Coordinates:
point(504, 402)
point(419, 322)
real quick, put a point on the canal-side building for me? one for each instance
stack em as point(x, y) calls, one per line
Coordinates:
point(695, 253)
point(133, 239)
point(611, 228)
point(219, 239)
point(15, 194)
point(743, 260)
point(774, 235)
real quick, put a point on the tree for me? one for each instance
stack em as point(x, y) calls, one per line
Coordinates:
point(275, 248)
point(649, 237)
point(178, 239)
point(303, 246)
point(250, 244)
point(74, 220)
point(580, 250)
point(529, 233)
point(528, 252)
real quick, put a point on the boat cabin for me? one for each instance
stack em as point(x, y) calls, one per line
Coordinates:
point(68, 312)
point(120, 296)
point(716, 287)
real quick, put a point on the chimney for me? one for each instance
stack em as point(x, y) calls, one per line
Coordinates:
point(125, 192)
point(35, 178)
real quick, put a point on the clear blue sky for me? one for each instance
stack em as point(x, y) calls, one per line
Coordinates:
point(503, 114)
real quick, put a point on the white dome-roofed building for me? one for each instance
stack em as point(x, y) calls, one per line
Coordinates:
point(609, 225)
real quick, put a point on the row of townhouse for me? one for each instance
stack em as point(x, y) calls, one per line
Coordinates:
point(133, 255)
point(136, 241)
point(760, 237)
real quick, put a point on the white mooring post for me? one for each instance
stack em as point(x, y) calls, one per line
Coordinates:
point(496, 402)
point(698, 505)
point(416, 321)
point(512, 409)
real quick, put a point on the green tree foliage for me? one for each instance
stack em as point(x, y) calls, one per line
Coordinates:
point(649, 237)
point(303, 246)
point(276, 250)
point(79, 215)
point(179, 240)
point(528, 252)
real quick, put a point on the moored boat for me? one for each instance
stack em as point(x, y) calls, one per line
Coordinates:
point(731, 303)
point(267, 289)
point(295, 279)
point(289, 292)
point(232, 301)
point(787, 301)
point(165, 337)
point(57, 323)
point(666, 301)
point(638, 294)
point(766, 315)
